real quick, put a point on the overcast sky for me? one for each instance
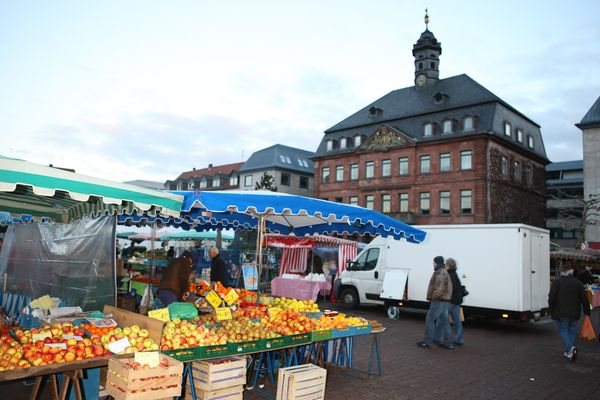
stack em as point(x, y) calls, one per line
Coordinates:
point(146, 89)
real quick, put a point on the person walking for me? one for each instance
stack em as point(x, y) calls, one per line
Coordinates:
point(454, 308)
point(439, 294)
point(567, 299)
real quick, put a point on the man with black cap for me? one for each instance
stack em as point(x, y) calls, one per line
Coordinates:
point(439, 294)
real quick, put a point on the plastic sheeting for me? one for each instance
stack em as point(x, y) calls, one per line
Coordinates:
point(75, 262)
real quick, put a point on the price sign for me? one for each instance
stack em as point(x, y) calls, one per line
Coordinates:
point(102, 322)
point(147, 357)
point(119, 346)
point(161, 314)
point(231, 297)
point(274, 312)
point(78, 338)
point(40, 336)
point(223, 313)
point(214, 299)
point(62, 346)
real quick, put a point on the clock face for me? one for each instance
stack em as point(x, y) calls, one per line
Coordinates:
point(421, 80)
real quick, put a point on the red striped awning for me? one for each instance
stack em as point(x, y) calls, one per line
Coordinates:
point(570, 256)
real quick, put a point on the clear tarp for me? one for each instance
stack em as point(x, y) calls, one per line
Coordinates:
point(75, 262)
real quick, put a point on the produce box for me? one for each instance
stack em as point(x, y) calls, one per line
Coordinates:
point(320, 335)
point(275, 343)
point(220, 373)
point(128, 318)
point(202, 352)
point(301, 382)
point(230, 393)
point(295, 340)
point(351, 331)
point(125, 383)
point(249, 347)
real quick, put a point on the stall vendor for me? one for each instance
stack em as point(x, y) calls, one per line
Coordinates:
point(174, 280)
point(218, 269)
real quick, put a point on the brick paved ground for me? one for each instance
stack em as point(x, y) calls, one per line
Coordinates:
point(500, 360)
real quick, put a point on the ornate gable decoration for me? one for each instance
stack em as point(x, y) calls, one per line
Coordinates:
point(386, 138)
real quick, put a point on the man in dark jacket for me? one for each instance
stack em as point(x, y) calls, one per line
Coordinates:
point(566, 300)
point(218, 269)
point(439, 294)
point(453, 310)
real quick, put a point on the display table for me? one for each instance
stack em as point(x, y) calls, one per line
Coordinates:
point(300, 289)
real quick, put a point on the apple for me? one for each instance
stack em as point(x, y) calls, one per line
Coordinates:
point(70, 356)
point(144, 333)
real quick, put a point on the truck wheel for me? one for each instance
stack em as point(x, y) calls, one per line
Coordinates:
point(349, 298)
point(393, 312)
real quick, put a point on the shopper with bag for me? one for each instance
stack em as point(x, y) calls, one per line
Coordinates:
point(567, 299)
point(456, 300)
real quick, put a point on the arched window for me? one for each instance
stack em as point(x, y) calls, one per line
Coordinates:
point(357, 140)
point(447, 126)
point(428, 129)
point(343, 143)
point(329, 144)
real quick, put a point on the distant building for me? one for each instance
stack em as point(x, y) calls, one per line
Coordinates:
point(442, 151)
point(564, 187)
point(590, 127)
point(214, 177)
point(147, 184)
point(291, 167)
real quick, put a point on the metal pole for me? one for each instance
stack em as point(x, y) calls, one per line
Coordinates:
point(259, 240)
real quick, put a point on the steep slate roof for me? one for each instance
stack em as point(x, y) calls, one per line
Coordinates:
point(226, 169)
point(282, 157)
point(592, 118)
point(409, 108)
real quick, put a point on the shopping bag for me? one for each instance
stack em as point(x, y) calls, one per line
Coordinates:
point(462, 315)
point(587, 330)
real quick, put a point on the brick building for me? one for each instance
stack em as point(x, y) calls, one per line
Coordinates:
point(441, 151)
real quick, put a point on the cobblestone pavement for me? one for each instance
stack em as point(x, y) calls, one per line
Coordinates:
point(500, 360)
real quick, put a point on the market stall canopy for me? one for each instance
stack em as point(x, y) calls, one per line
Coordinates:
point(125, 235)
point(147, 235)
point(276, 240)
point(571, 255)
point(194, 235)
point(289, 214)
point(32, 190)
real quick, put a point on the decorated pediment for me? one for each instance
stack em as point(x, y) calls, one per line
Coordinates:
point(385, 138)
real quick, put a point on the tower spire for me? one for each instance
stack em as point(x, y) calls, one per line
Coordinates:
point(426, 20)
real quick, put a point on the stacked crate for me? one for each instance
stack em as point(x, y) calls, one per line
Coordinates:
point(219, 378)
point(301, 382)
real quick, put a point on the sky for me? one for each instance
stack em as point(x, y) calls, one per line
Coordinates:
point(128, 90)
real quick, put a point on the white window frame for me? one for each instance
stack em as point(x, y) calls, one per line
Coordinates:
point(426, 158)
point(519, 135)
point(401, 161)
point(339, 173)
point(402, 202)
point(425, 199)
point(325, 178)
point(427, 129)
point(447, 126)
point(507, 129)
point(443, 157)
point(354, 171)
point(369, 202)
point(328, 144)
point(386, 165)
point(246, 179)
point(343, 143)
point(463, 197)
point(447, 197)
point(464, 156)
point(530, 142)
point(357, 140)
point(470, 121)
point(386, 203)
point(353, 200)
point(370, 169)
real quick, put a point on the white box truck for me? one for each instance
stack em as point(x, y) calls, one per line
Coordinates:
point(505, 268)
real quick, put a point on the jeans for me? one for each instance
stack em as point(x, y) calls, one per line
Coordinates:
point(567, 328)
point(167, 296)
point(454, 312)
point(437, 314)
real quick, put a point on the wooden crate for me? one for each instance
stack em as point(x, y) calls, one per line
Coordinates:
point(125, 383)
point(229, 393)
point(301, 382)
point(128, 318)
point(219, 373)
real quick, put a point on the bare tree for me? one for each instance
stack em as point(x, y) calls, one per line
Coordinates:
point(579, 212)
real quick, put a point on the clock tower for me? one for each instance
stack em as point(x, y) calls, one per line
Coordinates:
point(427, 52)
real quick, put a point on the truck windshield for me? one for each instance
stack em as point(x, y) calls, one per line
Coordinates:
point(367, 260)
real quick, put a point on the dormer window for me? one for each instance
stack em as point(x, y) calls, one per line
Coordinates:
point(507, 129)
point(216, 182)
point(447, 126)
point(329, 144)
point(343, 143)
point(520, 135)
point(203, 183)
point(530, 141)
point(428, 129)
point(440, 98)
point(357, 140)
point(374, 112)
point(468, 123)
point(233, 180)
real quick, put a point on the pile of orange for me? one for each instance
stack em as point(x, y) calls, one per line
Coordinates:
point(331, 323)
point(96, 330)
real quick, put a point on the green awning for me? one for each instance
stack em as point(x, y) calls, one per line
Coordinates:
point(44, 192)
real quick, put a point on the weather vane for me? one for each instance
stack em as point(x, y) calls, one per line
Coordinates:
point(426, 19)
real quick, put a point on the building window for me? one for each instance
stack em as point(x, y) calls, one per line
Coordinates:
point(325, 175)
point(425, 164)
point(504, 166)
point(520, 135)
point(466, 160)
point(285, 179)
point(357, 140)
point(428, 129)
point(403, 199)
point(530, 141)
point(403, 166)
point(370, 202)
point(468, 124)
point(329, 144)
point(190, 185)
point(304, 182)
point(507, 129)
point(386, 203)
point(233, 180)
point(517, 171)
point(445, 202)
point(466, 206)
point(369, 169)
point(424, 203)
point(343, 143)
point(216, 182)
point(339, 199)
point(386, 168)
point(203, 183)
point(445, 162)
point(339, 173)
point(353, 172)
point(529, 175)
point(447, 126)
point(247, 180)
point(353, 200)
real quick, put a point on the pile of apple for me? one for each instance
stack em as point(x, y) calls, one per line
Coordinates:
point(181, 334)
point(234, 331)
point(293, 304)
point(290, 322)
point(138, 339)
point(256, 312)
point(137, 366)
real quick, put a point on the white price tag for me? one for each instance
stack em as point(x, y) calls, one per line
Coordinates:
point(62, 346)
point(78, 338)
point(119, 346)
